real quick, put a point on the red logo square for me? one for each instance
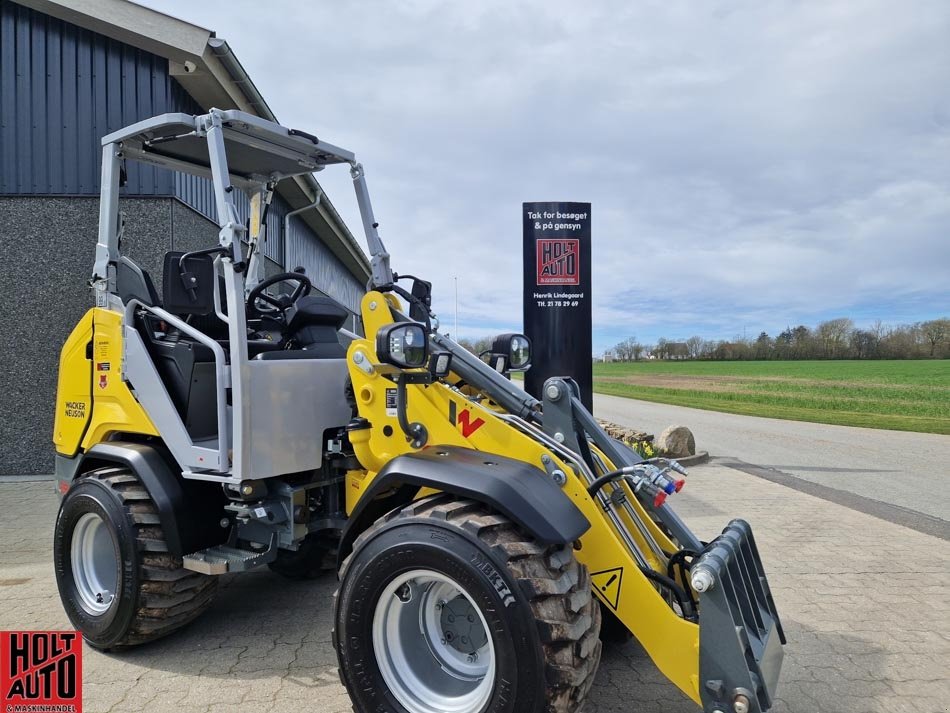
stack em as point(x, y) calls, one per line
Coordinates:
point(41, 670)
point(559, 261)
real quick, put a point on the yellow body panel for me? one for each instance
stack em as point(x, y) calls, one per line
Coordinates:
point(74, 388)
point(672, 642)
point(96, 382)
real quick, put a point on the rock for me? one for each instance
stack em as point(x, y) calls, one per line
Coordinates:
point(622, 433)
point(677, 442)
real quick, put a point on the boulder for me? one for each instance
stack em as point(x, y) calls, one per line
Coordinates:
point(677, 442)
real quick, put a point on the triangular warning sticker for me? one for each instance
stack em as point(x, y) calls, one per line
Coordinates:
point(608, 582)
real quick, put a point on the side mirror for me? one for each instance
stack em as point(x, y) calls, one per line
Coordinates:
point(422, 291)
point(515, 349)
point(405, 346)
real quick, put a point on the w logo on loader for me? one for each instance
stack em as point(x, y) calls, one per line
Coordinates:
point(464, 420)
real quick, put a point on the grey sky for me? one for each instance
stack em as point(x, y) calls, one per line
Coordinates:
point(750, 164)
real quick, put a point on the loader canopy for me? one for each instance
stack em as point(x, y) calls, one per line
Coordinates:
point(257, 150)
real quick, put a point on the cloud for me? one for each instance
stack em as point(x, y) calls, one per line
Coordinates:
point(750, 164)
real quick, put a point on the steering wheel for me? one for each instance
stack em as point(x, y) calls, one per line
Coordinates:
point(266, 304)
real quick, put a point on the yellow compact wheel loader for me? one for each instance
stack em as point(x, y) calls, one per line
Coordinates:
point(481, 535)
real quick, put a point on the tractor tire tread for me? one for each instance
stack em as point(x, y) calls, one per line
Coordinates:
point(556, 585)
point(169, 596)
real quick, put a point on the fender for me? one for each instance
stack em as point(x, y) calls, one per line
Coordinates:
point(512, 487)
point(189, 511)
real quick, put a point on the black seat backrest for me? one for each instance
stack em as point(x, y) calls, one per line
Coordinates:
point(134, 282)
point(314, 321)
point(317, 310)
point(198, 296)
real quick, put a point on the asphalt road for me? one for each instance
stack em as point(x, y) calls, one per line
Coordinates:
point(909, 472)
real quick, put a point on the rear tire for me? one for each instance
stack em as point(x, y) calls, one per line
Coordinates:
point(533, 622)
point(118, 583)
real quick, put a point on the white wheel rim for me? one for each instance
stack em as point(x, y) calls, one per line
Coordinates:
point(433, 645)
point(94, 563)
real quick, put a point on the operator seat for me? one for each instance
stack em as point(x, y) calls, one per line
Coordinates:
point(133, 282)
point(313, 322)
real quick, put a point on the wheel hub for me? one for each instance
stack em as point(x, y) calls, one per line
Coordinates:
point(94, 563)
point(432, 645)
point(461, 627)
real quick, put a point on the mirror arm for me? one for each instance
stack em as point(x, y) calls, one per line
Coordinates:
point(416, 433)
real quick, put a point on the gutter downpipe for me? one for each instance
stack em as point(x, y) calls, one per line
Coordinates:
point(288, 216)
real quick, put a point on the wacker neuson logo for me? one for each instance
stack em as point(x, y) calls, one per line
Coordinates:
point(558, 261)
point(40, 672)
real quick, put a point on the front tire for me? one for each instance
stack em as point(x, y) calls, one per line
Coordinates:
point(118, 583)
point(445, 606)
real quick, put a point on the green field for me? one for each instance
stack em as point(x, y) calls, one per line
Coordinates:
point(902, 395)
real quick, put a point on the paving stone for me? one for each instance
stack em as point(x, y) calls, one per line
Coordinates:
point(864, 602)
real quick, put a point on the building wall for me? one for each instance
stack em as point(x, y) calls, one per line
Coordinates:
point(63, 88)
point(44, 286)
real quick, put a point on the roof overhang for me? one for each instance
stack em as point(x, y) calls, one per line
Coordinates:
point(208, 70)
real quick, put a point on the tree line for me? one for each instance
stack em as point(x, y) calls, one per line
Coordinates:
point(833, 339)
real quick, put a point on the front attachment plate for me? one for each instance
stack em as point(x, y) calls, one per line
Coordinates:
point(740, 634)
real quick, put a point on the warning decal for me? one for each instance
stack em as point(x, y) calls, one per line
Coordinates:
point(608, 583)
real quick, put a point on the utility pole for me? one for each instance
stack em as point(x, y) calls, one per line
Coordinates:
point(455, 334)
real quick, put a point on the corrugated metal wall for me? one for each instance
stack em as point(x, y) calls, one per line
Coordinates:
point(62, 88)
point(321, 266)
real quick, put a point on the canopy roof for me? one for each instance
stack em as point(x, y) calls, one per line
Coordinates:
point(257, 150)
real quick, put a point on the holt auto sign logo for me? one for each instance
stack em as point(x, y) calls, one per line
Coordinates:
point(558, 261)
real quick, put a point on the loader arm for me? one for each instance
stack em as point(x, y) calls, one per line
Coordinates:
point(721, 646)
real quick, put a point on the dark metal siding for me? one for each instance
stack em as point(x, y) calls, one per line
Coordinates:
point(61, 89)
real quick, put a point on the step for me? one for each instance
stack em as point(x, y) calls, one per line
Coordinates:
point(222, 559)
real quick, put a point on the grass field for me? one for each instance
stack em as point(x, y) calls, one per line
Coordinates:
point(902, 395)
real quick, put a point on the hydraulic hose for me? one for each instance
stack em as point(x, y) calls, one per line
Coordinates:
point(602, 480)
point(685, 602)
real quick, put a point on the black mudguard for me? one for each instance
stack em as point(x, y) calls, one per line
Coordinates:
point(190, 511)
point(512, 487)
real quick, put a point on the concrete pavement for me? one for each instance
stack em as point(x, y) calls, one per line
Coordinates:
point(865, 604)
point(908, 470)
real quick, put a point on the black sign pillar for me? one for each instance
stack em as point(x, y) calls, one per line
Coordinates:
point(557, 306)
